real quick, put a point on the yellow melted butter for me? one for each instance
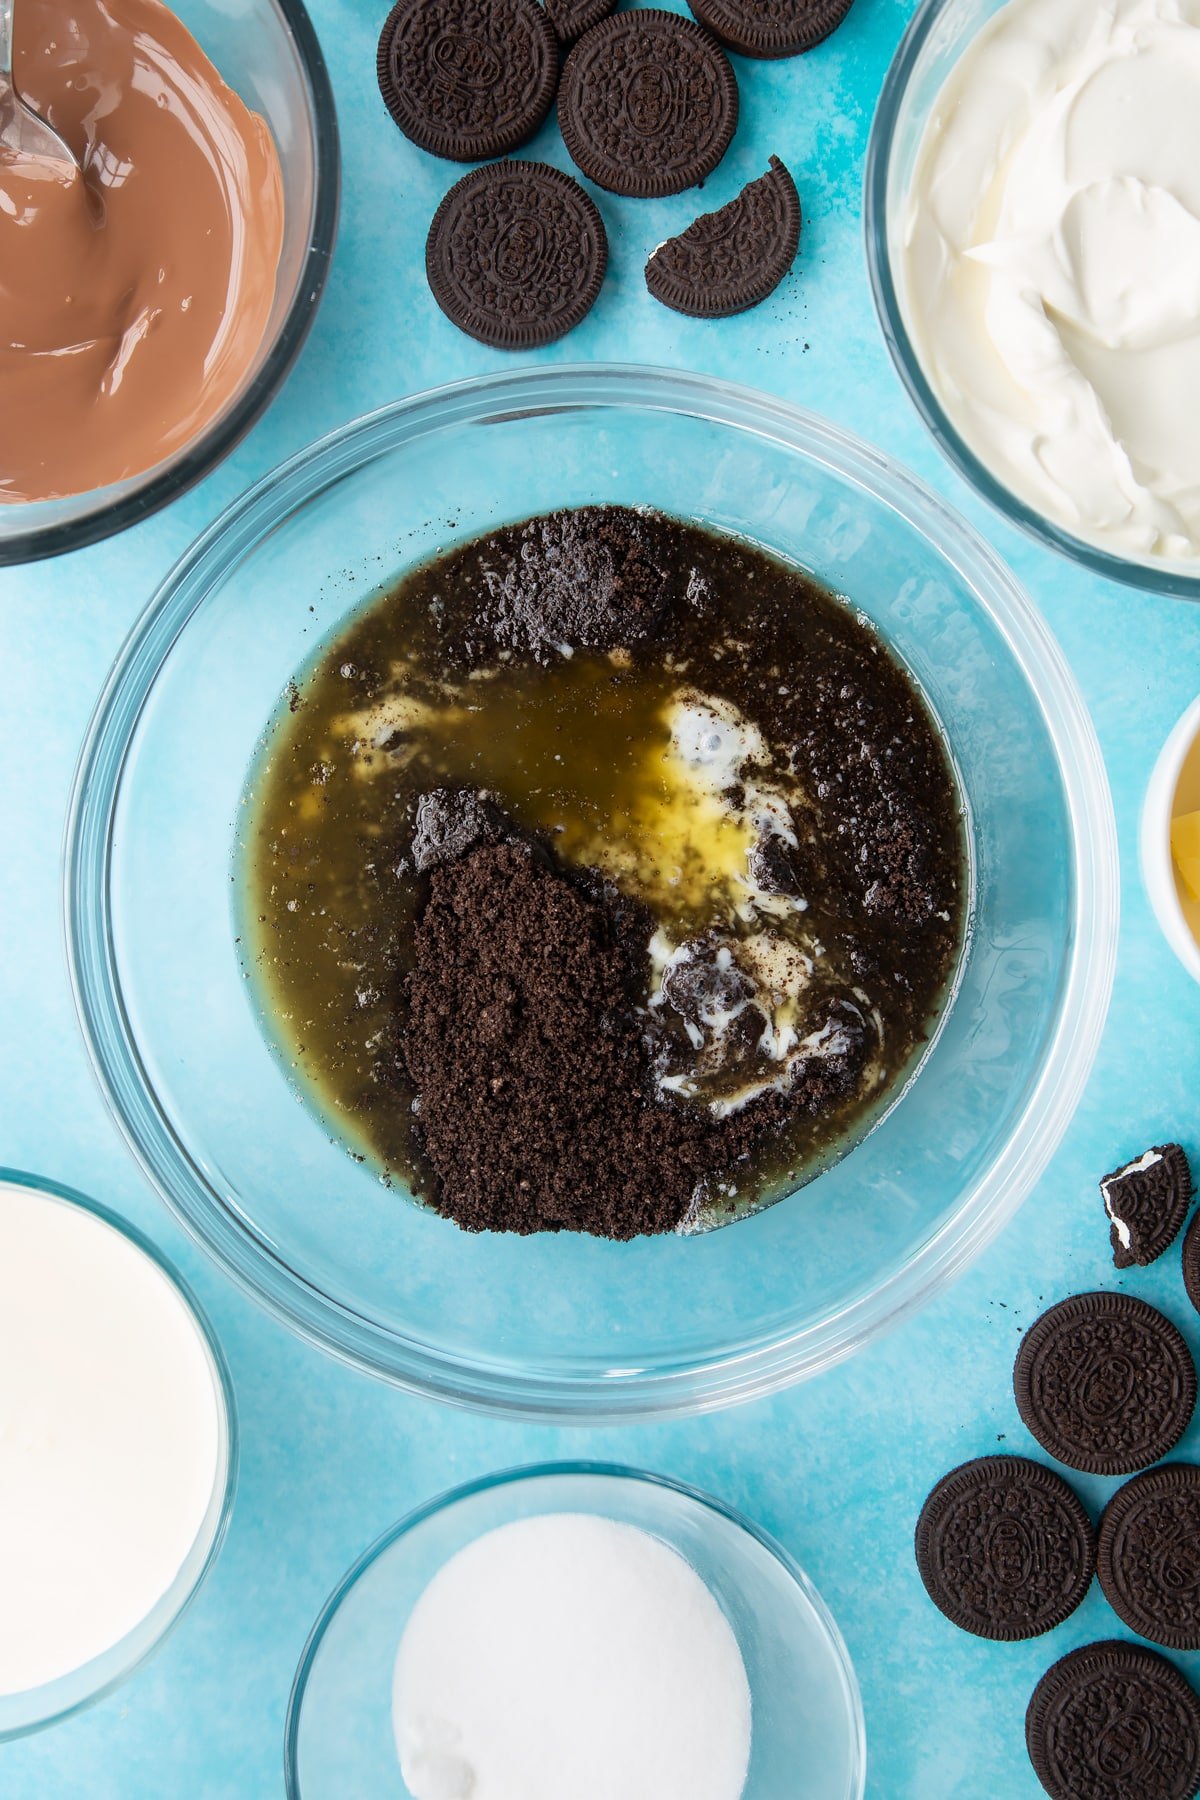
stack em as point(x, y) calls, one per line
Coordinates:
point(601, 757)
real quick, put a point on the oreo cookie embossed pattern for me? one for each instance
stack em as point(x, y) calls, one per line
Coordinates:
point(1114, 1721)
point(1005, 1548)
point(1149, 1556)
point(516, 254)
point(1105, 1383)
point(647, 104)
point(729, 260)
point(468, 79)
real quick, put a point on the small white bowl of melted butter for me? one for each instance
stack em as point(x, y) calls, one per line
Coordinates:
point(1171, 840)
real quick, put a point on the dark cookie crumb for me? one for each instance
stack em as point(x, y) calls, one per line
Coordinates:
point(592, 579)
point(519, 1030)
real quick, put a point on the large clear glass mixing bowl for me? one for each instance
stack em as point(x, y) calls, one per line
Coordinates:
point(567, 1326)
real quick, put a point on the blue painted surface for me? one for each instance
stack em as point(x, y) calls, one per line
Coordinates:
point(837, 1469)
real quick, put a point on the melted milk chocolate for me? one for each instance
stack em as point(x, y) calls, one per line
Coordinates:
point(133, 302)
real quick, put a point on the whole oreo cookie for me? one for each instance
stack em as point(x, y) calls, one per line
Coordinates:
point(467, 79)
point(1147, 1202)
point(1149, 1558)
point(730, 260)
point(647, 104)
point(1004, 1547)
point(1191, 1261)
point(516, 254)
point(1105, 1383)
point(769, 28)
point(1114, 1721)
point(571, 18)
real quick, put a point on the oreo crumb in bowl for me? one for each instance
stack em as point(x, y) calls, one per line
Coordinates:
point(610, 877)
point(561, 1323)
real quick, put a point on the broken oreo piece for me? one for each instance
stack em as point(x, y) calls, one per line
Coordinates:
point(771, 28)
point(571, 18)
point(1005, 1548)
point(516, 254)
point(1149, 1555)
point(647, 104)
point(1147, 1202)
point(467, 87)
point(730, 260)
point(449, 822)
point(1115, 1721)
point(1105, 1383)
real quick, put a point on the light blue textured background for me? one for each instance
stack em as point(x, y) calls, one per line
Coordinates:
point(836, 1469)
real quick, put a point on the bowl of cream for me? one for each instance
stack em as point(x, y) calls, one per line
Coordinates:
point(152, 300)
point(575, 1630)
point(119, 1444)
point(1033, 235)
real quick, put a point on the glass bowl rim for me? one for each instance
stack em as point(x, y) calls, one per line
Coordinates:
point(570, 1470)
point(197, 459)
point(723, 1378)
point(1163, 578)
point(227, 1408)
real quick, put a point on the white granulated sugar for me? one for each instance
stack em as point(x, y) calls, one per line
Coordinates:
point(570, 1657)
point(109, 1437)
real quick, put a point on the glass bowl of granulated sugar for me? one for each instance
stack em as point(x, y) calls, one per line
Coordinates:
point(582, 1630)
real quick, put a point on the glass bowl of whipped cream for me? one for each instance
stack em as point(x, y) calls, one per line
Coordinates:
point(579, 1629)
point(154, 298)
point(1033, 236)
point(560, 1324)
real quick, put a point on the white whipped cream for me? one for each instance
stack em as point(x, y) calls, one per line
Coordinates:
point(1050, 269)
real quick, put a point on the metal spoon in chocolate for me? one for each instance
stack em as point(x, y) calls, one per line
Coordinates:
point(23, 134)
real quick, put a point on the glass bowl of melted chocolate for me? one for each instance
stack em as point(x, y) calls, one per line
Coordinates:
point(592, 893)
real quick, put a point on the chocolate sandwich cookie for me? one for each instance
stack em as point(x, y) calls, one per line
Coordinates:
point(516, 254)
point(1105, 1383)
point(571, 18)
point(1191, 1261)
point(1114, 1721)
point(1147, 1202)
point(770, 28)
point(730, 260)
point(467, 79)
point(1005, 1548)
point(1149, 1555)
point(648, 103)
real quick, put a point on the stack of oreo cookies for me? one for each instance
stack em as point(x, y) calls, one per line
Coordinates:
point(647, 104)
point(1006, 1549)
